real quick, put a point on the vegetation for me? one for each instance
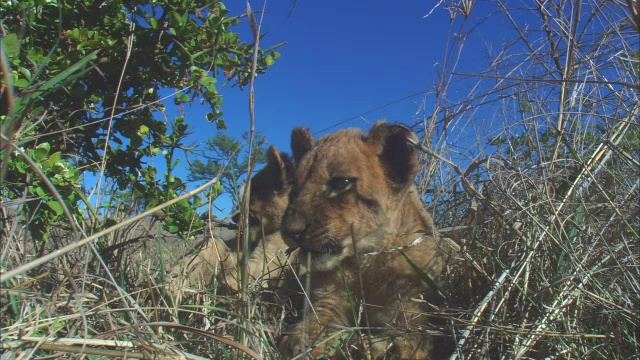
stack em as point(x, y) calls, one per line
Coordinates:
point(82, 92)
point(533, 176)
point(224, 161)
point(89, 77)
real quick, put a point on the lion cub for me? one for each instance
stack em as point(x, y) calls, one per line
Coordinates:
point(269, 199)
point(355, 187)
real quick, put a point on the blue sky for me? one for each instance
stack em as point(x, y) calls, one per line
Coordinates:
point(341, 59)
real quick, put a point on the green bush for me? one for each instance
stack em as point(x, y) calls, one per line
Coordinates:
point(87, 77)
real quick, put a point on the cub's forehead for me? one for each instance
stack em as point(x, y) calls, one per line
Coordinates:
point(341, 142)
point(335, 154)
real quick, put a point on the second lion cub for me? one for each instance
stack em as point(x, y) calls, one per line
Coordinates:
point(353, 195)
point(269, 198)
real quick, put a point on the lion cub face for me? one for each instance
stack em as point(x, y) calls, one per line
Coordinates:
point(346, 178)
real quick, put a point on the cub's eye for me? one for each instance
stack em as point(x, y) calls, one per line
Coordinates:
point(339, 185)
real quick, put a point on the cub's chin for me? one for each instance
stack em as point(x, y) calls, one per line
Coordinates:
point(324, 262)
point(326, 259)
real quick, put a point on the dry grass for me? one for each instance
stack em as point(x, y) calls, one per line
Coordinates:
point(535, 175)
point(119, 303)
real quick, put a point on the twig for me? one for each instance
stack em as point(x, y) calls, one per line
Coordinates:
point(255, 28)
point(73, 341)
point(397, 248)
point(79, 350)
point(103, 163)
point(552, 81)
point(364, 307)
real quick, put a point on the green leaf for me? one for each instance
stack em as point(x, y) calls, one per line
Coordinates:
point(208, 80)
point(175, 18)
point(143, 130)
point(40, 192)
point(54, 158)
point(25, 72)
point(21, 83)
point(185, 18)
point(21, 166)
point(154, 23)
point(12, 45)
point(41, 152)
point(55, 206)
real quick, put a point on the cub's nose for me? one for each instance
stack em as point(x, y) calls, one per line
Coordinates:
point(291, 237)
point(293, 227)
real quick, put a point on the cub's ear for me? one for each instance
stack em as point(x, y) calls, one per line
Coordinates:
point(273, 157)
point(398, 158)
point(279, 168)
point(301, 142)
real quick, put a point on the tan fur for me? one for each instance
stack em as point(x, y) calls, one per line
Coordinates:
point(382, 204)
point(268, 201)
point(204, 267)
